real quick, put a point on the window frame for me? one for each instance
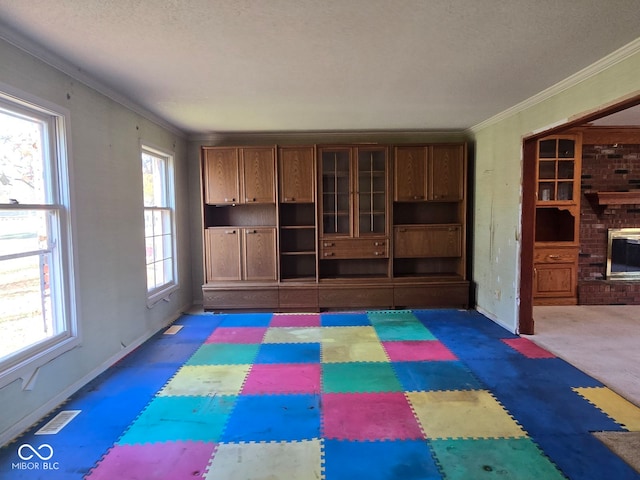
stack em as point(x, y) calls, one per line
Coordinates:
point(163, 291)
point(24, 363)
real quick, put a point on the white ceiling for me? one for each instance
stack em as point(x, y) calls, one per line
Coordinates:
point(296, 65)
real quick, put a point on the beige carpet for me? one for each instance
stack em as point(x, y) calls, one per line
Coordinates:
point(601, 340)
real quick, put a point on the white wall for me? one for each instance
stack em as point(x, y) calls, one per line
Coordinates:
point(113, 316)
point(499, 173)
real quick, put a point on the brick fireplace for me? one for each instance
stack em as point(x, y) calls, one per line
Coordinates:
point(606, 168)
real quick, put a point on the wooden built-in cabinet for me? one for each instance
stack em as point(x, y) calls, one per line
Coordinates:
point(557, 224)
point(335, 226)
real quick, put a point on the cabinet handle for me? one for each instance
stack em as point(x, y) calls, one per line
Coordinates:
point(378, 244)
point(289, 199)
point(553, 256)
point(249, 200)
point(252, 231)
point(328, 244)
point(230, 232)
point(229, 199)
point(329, 254)
point(418, 197)
point(452, 229)
point(402, 230)
point(377, 254)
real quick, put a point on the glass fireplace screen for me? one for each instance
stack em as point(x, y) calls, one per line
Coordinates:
point(623, 254)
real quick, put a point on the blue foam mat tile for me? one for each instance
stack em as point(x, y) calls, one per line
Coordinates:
point(246, 320)
point(131, 382)
point(406, 460)
point(288, 353)
point(541, 373)
point(545, 411)
point(433, 376)
point(449, 323)
point(258, 418)
point(161, 351)
point(584, 457)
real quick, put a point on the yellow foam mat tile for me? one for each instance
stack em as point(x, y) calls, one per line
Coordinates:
point(353, 352)
point(241, 461)
point(207, 380)
point(293, 335)
point(620, 410)
point(463, 414)
point(348, 334)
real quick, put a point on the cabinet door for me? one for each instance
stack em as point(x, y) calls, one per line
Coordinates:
point(221, 180)
point(423, 241)
point(260, 253)
point(222, 254)
point(446, 173)
point(554, 280)
point(297, 175)
point(410, 174)
point(336, 192)
point(258, 167)
point(371, 192)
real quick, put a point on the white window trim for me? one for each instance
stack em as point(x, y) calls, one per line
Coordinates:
point(163, 293)
point(25, 364)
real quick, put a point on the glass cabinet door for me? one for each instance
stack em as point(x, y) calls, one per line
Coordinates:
point(371, 192)
point(336, 192)
point(556, 170)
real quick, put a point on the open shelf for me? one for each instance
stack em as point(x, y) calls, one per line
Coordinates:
point(614, 198)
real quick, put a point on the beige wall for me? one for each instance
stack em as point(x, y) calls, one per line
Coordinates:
point(109, 234)
point(498, 165)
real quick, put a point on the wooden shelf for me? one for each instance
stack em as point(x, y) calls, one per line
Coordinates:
point(614, 198)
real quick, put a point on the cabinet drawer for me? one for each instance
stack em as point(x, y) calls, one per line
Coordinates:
point(555, 255)
point(416, 241)
point(354, 248)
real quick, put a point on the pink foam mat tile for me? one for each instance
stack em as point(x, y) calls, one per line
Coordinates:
point(369, 416)
point(237, 335)
point(527, 348)
point(415, 351)
point(151, 461)
point(295, 320)
point(282, 378)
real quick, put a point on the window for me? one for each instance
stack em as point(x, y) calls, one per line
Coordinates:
point(159, 231)
point(37, 318)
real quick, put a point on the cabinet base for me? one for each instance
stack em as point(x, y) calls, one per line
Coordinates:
point(319, 296)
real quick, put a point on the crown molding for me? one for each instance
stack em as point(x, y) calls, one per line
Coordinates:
point(595, 68)
point(36, 50)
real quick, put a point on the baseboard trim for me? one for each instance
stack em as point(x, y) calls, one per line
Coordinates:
point(14, 432)
point(495, 319)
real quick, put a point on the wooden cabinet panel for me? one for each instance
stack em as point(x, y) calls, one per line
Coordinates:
point(419, 241)
point(260, 254)
point(446, 173)
point(296, 171)
point(355, 296)
point(354, 248)
point(221, 176)
point(410, 173)
point(556, 280)
point(258, 175)
point(222, 254)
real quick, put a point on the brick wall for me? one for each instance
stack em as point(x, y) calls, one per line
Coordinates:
point(606, 168)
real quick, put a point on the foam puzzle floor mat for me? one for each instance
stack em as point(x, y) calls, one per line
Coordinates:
point(423, 394)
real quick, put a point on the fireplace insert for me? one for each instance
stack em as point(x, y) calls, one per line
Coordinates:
point(623, 254)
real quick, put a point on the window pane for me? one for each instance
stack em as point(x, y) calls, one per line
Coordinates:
point(153, 175)
point(22, 172)
point(26, 314)
point(23, 231)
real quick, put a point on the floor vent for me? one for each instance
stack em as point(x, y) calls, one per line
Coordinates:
point(58, 422)
point(173, 329)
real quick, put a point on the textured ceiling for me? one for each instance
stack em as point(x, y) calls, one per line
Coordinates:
point(289, 65)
